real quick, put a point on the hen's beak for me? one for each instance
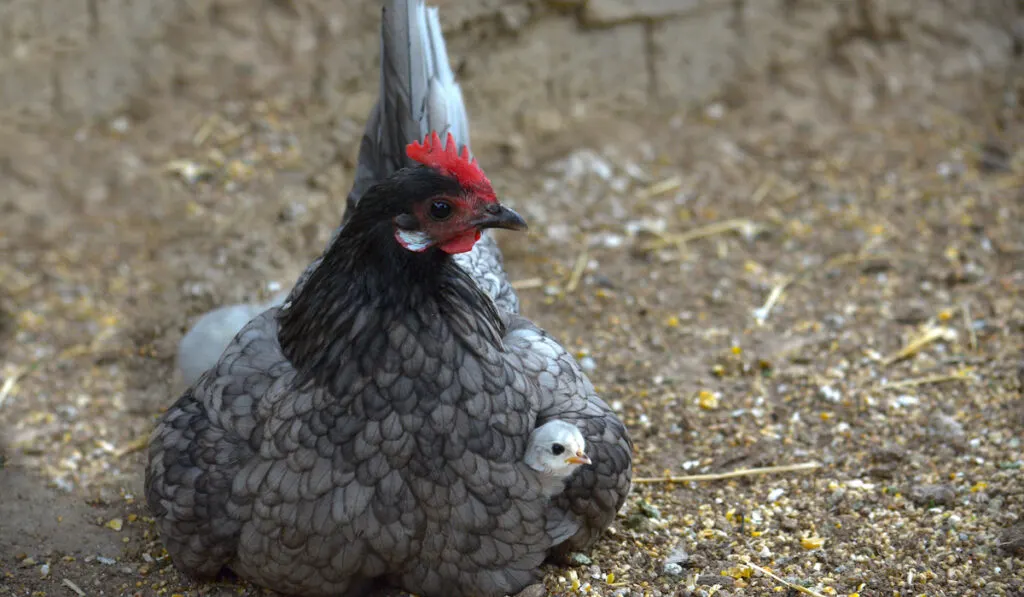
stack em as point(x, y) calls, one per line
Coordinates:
point(499, 216)
point(579, 458)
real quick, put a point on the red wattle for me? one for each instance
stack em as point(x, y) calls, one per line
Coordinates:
point(462, 243)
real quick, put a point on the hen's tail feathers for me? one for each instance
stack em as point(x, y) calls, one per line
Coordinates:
point(418, 94)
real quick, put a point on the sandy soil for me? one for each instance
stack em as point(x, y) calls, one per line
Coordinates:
point(752, 284)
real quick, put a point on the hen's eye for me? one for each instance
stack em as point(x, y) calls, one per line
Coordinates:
point(440, 210)
point(557, 449)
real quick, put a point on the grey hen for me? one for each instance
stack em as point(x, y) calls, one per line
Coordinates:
point(418, 94)
point(373, 428)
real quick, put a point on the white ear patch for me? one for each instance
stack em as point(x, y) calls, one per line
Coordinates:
point(413, 240)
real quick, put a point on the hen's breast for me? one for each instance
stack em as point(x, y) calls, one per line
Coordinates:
point(413, 468)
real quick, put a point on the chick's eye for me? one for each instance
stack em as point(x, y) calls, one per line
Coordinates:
point(557, 449)
point(440, 210)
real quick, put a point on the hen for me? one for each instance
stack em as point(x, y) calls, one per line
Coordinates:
point(373, 428)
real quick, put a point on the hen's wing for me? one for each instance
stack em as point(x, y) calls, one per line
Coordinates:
point(596, 493)
point(197, 449)
point(226, 481)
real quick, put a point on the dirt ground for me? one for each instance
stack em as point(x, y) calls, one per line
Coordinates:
point(752, 283)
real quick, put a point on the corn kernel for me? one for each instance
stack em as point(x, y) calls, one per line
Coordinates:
point(812, 542)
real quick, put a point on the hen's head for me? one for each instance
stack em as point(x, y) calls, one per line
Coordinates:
point(556, 448)
point(446, 202)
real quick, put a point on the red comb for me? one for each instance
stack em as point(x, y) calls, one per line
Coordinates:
point(447, 159)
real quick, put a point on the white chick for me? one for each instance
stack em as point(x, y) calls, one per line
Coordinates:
point(201, 347)
point(556, 450)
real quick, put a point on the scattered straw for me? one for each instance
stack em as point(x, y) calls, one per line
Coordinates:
point(972, 336)
point(1009, 183)
point(916, 345)
point(205, 130)
point(133, 446)
point(764, 188)
point(745, 472)
point(961, 375)
point(71, 585)
point(528, 283)
point(785, 583)
point(661, 187)
point(761, 313)
point(743, 225)
point(11, 383)
point(577, 272)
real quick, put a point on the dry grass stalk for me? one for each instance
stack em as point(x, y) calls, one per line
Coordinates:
point(679, 240)
point(71, 585)
point(135, 445)
point(916, 345)
point(745, 472)
point(764, 188)
point(785, 583)
point(972, 336)
point(962, 375)
point(662, 187)
point(205, 130)
point(761, 313)
point(527, 284)
point(577, 272)
point(11, 383)
point(1010, 183)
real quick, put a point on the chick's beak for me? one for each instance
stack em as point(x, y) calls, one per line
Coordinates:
point(499, 216)
point(579, 458)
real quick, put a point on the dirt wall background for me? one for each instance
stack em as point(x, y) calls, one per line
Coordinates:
point(80, 59)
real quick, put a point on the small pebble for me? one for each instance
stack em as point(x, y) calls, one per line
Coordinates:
point(1012, 539)
point(906, 400)
point(715, 579)
point(831, 394)
point(929, 495)
point(947, 428)
point(579, 559)
point(648, 510)
point(788, 524)
point(120, 124)
point(678, 556)
point(672, 569)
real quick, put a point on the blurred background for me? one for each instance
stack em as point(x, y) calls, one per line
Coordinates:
point(774, 231)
